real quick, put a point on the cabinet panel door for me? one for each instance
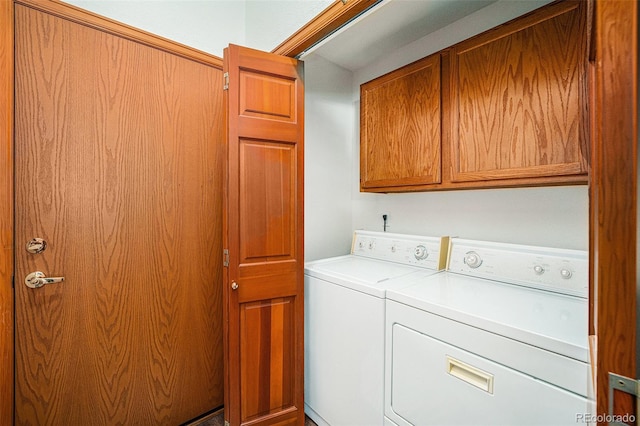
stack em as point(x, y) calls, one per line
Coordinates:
point(400, 127)
point(263, 230)
point(519, 99)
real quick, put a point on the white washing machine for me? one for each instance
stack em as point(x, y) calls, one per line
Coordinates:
point(344, 322)
point(501, 338)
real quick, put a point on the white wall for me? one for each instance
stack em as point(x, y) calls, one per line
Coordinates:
point(211, 25)
point(203, 24)
point(270, 22)
point(546, 216)
point(554, 216)
point(329, 134)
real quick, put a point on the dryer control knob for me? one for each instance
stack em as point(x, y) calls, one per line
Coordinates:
point(472, 259)
point(539, 270)
point(566, 273)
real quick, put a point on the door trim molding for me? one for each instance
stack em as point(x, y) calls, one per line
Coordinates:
point(333, 17)
point(6, 212)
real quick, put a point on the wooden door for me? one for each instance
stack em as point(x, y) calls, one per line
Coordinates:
point(264, 282)
point(118, 167)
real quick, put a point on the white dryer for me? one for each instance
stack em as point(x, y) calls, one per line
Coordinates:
point(344, 322)
point(500, 338)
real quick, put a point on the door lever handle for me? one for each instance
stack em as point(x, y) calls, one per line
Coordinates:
point(38, 279)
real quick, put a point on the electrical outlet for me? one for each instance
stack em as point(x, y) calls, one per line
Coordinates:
point(385, 222)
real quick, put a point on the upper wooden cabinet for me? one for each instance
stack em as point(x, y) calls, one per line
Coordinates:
point(518, 99)
point(505, 108)
point(400, 127)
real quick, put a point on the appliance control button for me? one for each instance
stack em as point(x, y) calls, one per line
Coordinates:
point(372, 244)
point(566, 273)
point(393, 248)
point(420, 252)
point(539, 270)
point(472, 259)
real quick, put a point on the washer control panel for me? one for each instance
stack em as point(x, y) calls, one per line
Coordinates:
point(559, 270)
point(427, 252)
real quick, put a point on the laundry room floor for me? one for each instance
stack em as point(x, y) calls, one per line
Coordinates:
point(218, 420)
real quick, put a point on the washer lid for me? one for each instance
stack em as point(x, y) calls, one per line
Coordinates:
point(551, 321)
point(371, 276)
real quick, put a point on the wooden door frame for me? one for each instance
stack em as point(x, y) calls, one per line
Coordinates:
point(335, 15)
point(6, 213)
point(613, 196)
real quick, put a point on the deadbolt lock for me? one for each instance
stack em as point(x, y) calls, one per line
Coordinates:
point(36, 246)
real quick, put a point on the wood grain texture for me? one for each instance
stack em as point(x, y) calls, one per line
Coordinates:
point(6, 213)
point(259, 92)
point(264, 231)
point(332, 18)
point(267, 343)
point(520, 96)
point(400, 129)
point(613, 196)
point(101, 23)
point(118, 167)
point(267, 200)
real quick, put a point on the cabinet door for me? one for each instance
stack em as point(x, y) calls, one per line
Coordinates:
point(400, 127)
point(519, 99)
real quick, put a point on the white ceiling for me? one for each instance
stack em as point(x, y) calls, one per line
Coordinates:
point(390, 25)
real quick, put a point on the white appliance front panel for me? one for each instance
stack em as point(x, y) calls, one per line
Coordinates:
point(370, 276)
point(434, 383)
point(344, 355)
point(551, 321)
point(562, 371)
